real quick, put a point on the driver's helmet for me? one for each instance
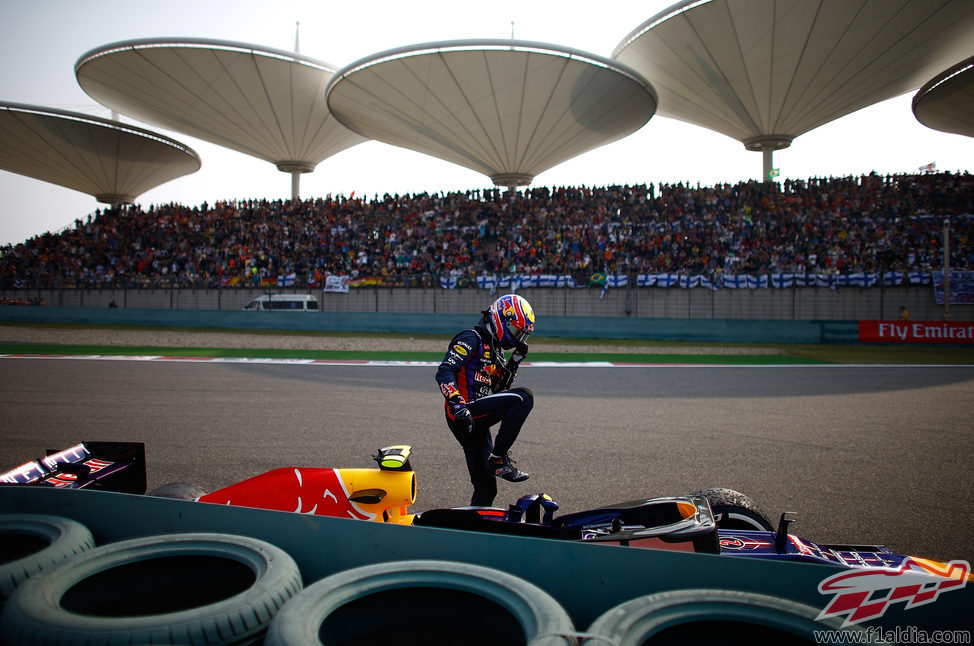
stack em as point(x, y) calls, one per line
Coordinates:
point(510, 319)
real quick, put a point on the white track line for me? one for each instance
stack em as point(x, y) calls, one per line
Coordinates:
point(428, 364)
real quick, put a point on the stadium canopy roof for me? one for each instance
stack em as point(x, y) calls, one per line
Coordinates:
point(506, 108)
point(946, 102)
point(262, 102)
point(111, 161)
point(766, 71)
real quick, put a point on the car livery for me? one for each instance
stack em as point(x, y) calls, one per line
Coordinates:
point(385, 493)
point(112, 466)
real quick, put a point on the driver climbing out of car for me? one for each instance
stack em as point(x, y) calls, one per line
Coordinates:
point(476, 384)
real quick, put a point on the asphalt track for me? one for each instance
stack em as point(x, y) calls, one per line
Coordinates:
point(863, 454)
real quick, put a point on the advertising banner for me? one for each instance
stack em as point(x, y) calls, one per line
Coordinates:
point(959, 332)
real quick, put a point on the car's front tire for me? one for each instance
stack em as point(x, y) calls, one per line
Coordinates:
point(734, 510)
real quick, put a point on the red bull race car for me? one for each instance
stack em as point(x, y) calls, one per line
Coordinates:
point(711, 521)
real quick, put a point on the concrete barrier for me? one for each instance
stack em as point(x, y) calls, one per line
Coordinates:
point(666, 329)
point(792, 304)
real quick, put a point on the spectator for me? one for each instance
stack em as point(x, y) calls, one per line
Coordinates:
point(819, 225)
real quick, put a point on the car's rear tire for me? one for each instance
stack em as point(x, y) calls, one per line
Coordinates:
point(734, 510)
point(179, 491)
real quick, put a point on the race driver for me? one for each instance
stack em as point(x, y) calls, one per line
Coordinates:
point(476, 384)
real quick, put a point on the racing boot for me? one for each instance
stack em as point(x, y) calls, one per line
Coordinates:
point(503, 467)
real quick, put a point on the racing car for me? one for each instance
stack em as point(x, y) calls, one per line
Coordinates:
point(712, 521)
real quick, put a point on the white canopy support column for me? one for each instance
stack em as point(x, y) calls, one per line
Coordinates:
point(295, 168)
point(511, 181)
point(766, 146)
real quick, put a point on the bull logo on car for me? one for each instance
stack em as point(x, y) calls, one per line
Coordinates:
point(305, 491)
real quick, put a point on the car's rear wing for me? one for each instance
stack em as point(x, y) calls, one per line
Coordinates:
point(110, 466)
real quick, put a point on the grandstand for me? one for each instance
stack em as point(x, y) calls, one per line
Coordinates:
point(748, 250)
point(745, 250)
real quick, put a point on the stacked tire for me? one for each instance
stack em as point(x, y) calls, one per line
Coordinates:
point(709, 616)
point(422, 602)
point(33, 543)
point(194, 588)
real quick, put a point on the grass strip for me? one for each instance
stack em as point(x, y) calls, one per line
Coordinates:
point(629, 350)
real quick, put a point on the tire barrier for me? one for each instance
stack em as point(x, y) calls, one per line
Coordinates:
point(31, 543)
point(707, 616)
point(196, 588)
point(422, 602)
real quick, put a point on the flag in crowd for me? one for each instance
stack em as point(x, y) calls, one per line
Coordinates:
point(513, 283)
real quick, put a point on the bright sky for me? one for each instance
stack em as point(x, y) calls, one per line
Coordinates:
point(40, 41)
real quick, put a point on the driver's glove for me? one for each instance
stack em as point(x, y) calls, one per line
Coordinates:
point(462, 417)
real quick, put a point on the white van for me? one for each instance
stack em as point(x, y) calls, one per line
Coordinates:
point(284, 303)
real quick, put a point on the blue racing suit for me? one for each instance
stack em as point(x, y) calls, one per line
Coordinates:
point(473, 375)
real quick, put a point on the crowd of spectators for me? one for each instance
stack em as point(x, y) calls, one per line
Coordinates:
point(820, 225)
